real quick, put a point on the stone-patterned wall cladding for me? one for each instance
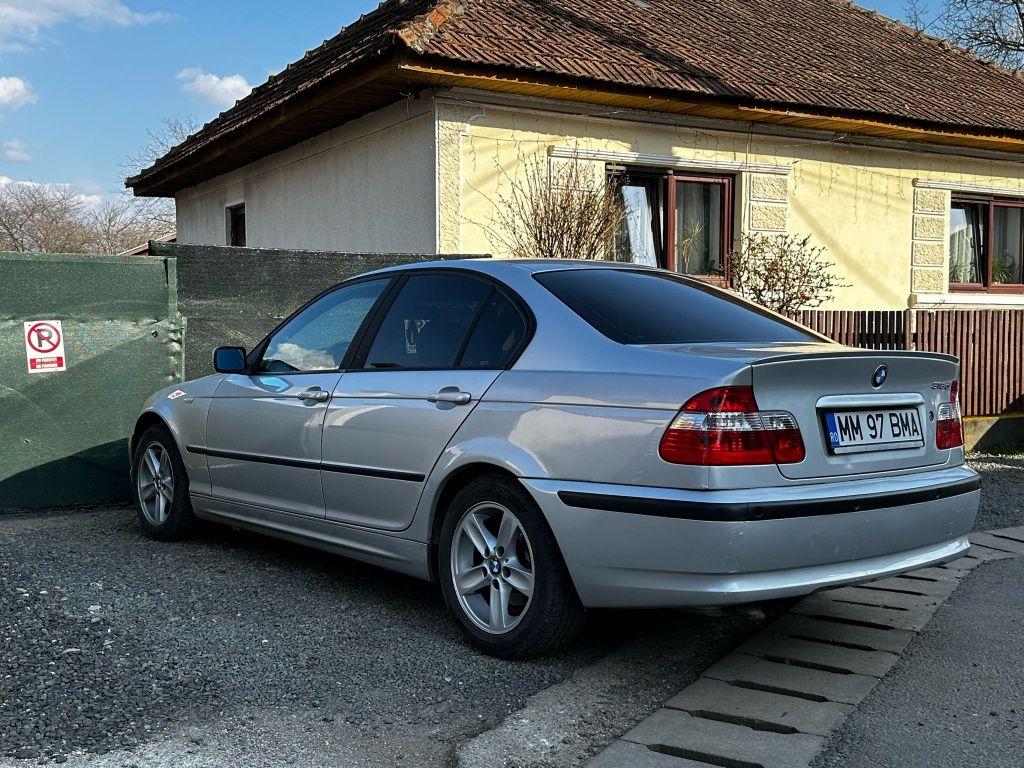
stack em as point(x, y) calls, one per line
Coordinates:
point(767, 203)
point(452, 122)
point(929, 271)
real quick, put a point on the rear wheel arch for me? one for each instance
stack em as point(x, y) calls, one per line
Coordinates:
point(455, 482)
point(552, 614)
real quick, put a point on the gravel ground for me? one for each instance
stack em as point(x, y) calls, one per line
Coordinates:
point(1002, 491)
point(236, 649)
point(956, 697)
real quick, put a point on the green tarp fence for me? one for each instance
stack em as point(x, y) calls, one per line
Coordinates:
point(132, 325)
point(63, 434)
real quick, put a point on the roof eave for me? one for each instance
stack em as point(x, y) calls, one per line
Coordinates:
point(330, 102)
point(445, 73)
point(385, 78)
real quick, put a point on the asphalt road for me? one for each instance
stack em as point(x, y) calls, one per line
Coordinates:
point(238, 650)
point(956, 697)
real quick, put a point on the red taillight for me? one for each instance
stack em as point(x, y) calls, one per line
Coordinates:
point(723, 427)
point(949, 429)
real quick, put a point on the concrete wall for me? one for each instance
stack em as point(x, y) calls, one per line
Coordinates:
point(366, 186)
point(881, 213)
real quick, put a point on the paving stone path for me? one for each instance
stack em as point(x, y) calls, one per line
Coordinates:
point(772, 702)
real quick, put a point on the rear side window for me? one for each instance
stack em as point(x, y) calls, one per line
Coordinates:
point(428, 323)
point(633, 307)
point(498, 334)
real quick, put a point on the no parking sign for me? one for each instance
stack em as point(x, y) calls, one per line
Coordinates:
point(44, 346)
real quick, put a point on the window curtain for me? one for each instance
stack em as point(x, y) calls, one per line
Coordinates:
point(640, 224)
point(698, 228)
point(1007, 245)
point(964, 248)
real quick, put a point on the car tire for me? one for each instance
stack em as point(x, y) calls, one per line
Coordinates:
point(160, 487)
point(502, 575)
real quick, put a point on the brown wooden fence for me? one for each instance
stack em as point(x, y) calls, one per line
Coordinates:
point(989, 343)
point(875, 329)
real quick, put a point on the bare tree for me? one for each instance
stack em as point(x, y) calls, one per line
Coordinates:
point(159, 141)
point(991, 29)
point(783, 272)
point(57, 218)
point(132, 221)
point(38, 217)
point(128, 221)
point(557, 213)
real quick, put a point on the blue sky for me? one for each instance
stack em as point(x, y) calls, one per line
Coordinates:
point(81, 81)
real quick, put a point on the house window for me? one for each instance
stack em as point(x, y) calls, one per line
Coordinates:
point(986, 245)
point(677, 221)
point(236, 225)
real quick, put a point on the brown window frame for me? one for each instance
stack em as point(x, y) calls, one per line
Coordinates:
point(669, 180)
point(989, 220)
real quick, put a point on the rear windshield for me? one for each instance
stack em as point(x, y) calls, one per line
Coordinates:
point(634, 307)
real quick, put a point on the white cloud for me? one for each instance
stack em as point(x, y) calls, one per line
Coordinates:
point(24, 23)
point(214, 89)
point(84, 193)
point(15, 92)
point(15, 151)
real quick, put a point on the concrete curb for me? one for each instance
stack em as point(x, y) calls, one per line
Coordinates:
point(770, 703)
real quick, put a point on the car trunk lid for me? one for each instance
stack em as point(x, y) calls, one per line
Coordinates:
point(831, 388)
point(859, 411)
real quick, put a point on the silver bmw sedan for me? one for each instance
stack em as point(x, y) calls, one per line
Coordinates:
point(546, 437)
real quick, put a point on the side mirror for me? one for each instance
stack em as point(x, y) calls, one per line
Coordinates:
point(229, 359)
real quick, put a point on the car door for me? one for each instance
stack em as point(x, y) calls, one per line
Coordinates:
point(436, 349)
point(265, 427)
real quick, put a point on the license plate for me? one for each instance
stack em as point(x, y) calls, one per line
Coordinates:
point(882, 430)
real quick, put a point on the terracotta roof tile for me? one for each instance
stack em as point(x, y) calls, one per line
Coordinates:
point(802, 53)
point(808, 55)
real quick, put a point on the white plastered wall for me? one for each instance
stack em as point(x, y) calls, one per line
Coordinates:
point(368, 185)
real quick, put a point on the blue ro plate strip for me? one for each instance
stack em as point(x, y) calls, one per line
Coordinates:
point(833, 430)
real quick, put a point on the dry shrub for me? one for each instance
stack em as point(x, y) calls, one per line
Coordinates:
point(783, 272)
point(557, 213)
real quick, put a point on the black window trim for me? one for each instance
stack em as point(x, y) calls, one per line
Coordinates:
point(358, 362)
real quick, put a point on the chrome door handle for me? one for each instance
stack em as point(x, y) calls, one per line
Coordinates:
point(315, 395)
point(458, 398)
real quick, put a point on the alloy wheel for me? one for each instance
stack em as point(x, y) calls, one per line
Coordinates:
point(155, 482)
point(492, 567)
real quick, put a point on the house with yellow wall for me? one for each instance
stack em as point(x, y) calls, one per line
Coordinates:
point(899, 154)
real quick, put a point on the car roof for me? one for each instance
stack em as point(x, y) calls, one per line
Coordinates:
point(498, 267)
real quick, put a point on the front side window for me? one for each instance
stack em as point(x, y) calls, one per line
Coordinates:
point(986, 244)
point(429, 322)
point(318, 338)
point(644, 307)
point(680, 222)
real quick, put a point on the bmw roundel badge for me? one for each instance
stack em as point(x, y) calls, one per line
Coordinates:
point(879, 376)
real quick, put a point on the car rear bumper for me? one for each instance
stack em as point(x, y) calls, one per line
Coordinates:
point(633, 546)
